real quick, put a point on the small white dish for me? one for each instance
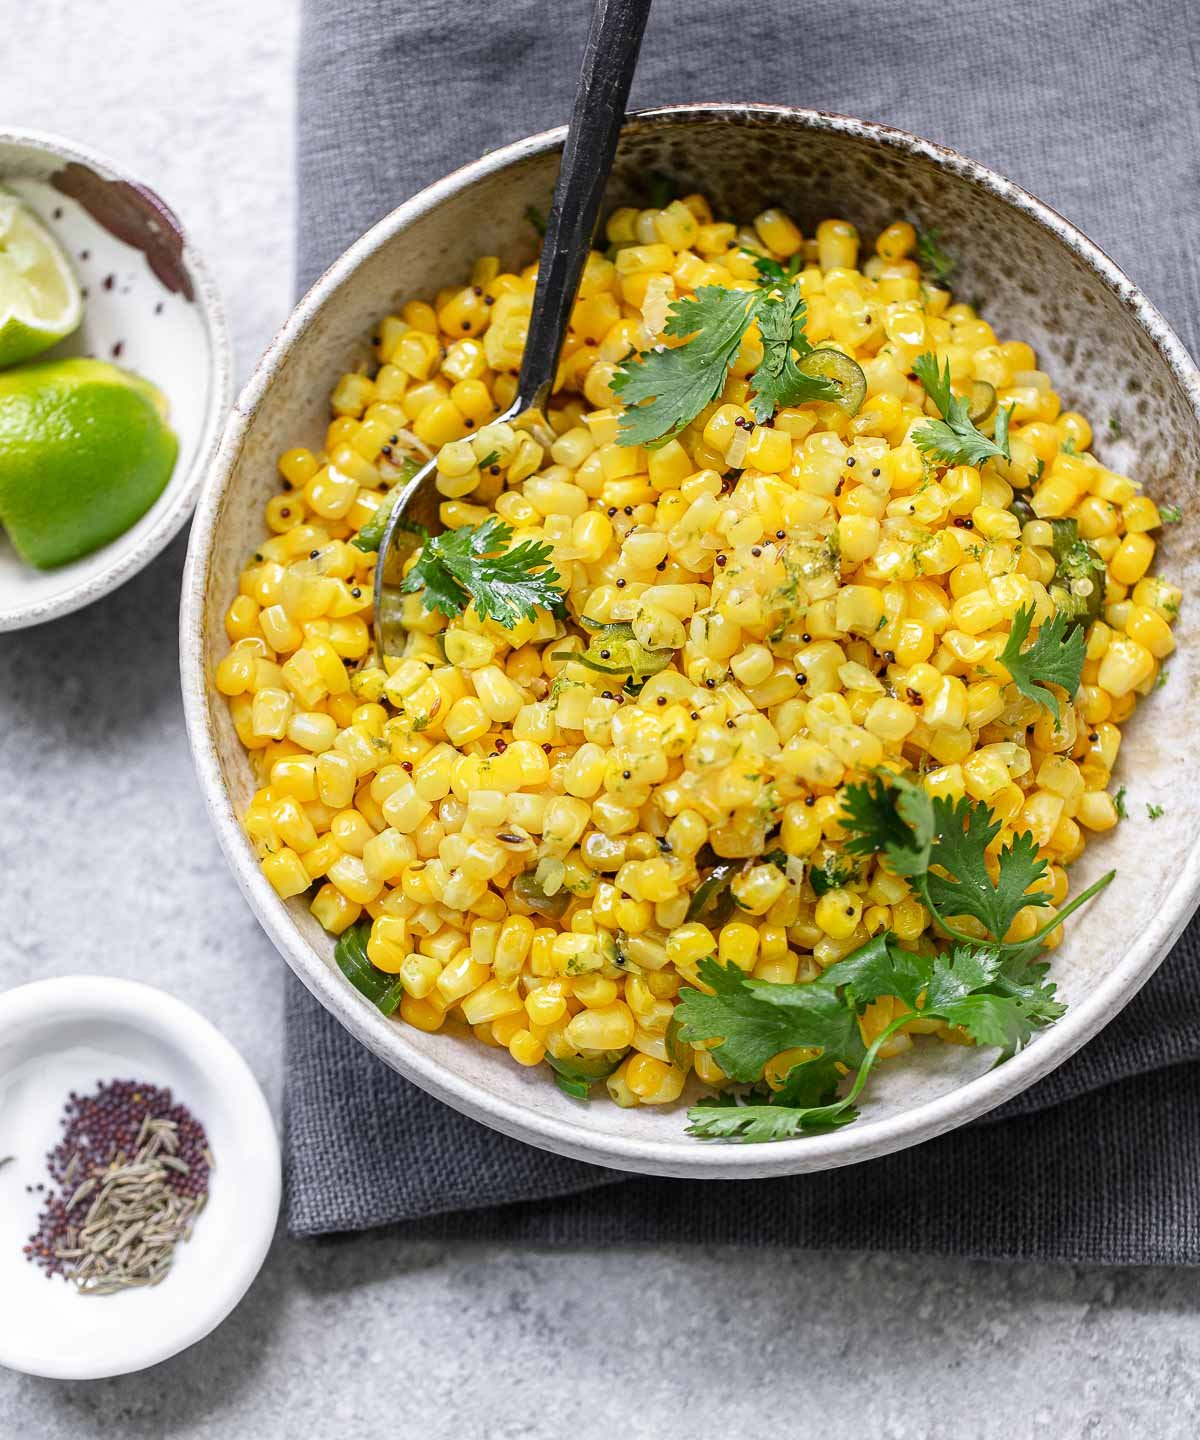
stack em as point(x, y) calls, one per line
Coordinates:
point(66, 1034)
point(150, 306)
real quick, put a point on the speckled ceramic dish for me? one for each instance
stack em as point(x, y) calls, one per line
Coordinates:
point(1109, 353)
point(150, 306)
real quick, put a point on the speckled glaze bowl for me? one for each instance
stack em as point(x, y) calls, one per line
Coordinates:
point(150, 306)
point(1109, 352)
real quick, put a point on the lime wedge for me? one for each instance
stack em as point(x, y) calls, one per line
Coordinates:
point(40, 301)
point(85, 450)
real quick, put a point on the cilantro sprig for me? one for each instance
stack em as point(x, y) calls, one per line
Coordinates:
point(965, 987)
point(993, 989)
point(473, 564)
point(955, 439)
point(940, 846)
point(1055, 658)
point(779, 381)
point(664, 390)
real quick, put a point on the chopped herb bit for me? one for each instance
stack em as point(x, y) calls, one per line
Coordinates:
point(1055, 658)
point(830, 876)
point(1114, 427)
point(468, 565)
point(661, 189)
point(955, 439)
point(1068, 447)
point(1039, 470)
point(1155, 811)
point(1161, 678)
point(536, 219)
point(489, 459)
point(1170, 514)
point(1119, 804)
point(933, 260)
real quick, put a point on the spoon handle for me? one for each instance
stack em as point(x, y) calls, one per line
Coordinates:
point(609, 59)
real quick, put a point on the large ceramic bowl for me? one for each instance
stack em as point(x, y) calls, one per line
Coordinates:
point(1109, 352)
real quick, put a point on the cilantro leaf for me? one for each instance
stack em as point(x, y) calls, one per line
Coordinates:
point(1055, 657)
point(471, 564)
point(677, 384)
point(1170, 514)
point(1000, 1020)
point(880, 967)
point(932, 258)
point(779, 381)
point(755, 1019)
point(955, 439)
point(964, 970)
point(964, 833)
point(771, 272)
point(758, 1123)
point(915, 834)
point(1155, 812)
point(1119, 804)
point(894, 820)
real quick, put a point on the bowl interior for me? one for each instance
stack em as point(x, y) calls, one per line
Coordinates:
point(1035, 287)
point(62, 1035)
point(147, 307)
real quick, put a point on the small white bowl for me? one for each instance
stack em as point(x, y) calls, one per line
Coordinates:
point(66, 1034)
point(150, 306)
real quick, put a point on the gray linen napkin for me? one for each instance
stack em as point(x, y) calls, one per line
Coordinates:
point(1093, 107)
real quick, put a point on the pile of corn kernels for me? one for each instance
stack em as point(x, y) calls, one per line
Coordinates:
point(525, 838)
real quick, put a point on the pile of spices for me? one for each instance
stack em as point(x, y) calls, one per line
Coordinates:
point(132, 1172)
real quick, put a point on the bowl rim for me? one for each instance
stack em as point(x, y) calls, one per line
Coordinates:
point(183, 487)
point(684, 1156)
point(179, 1027)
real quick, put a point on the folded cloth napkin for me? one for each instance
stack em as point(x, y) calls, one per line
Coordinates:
point(1096, 110)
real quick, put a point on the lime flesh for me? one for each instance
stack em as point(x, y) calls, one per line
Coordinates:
point(40, 302)
point(85, 451)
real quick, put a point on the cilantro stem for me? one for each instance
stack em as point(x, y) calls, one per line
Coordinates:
point(1070, 909)
point(868, 1060)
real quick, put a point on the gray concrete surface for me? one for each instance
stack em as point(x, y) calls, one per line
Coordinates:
point(107, 864)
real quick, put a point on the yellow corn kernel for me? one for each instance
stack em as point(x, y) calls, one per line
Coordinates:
point(1132, 559)
point(609, 1028)
point(285, 870)
point(423, 1014)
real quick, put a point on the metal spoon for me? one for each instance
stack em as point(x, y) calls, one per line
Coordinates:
point(609, 58)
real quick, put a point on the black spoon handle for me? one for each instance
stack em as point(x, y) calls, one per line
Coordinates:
point(609, 59)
